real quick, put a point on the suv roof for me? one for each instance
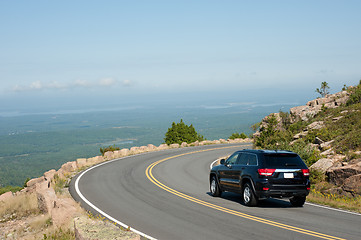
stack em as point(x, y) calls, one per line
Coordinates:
point(266, 151)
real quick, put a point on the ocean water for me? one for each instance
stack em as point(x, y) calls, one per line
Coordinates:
point(35, 141)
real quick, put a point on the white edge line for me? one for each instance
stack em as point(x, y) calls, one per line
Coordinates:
point(312, 204)
point(334, 209)
point(100, 211)
point(211, 166)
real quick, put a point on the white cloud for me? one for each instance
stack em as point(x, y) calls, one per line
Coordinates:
point(127, 83)
point(107, 82)
point(79, 83)
point(36, 85)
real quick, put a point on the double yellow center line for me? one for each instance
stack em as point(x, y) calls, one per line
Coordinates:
point(151, 177)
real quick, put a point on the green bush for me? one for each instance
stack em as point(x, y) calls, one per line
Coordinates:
point(180, 133)
point(355, 96)
point(238, 135)
point(107, 149)
point(316, 176)
point(9, 189)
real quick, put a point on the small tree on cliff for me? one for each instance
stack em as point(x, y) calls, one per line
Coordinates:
point(323, 90)
point(180, 132)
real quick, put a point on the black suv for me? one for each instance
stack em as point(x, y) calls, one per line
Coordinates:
point(260, 174)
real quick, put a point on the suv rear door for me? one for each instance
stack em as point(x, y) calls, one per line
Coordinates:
point(288, 170)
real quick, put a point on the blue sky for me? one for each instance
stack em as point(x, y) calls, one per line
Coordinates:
point(70, 52)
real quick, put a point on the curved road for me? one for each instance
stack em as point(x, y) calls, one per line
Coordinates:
point(165, 195)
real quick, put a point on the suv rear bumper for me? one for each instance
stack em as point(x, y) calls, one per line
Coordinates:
point(266, 190)
point(281, 193)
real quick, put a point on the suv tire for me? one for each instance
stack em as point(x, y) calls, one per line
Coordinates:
point(214, 188)
point(249, 198)
point(297, 201)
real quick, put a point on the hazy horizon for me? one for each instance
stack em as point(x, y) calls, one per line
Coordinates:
point(92, 54)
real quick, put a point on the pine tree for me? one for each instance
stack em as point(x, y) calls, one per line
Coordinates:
point(180, 132)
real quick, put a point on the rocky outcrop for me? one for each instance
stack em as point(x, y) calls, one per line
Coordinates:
point(6, 196)
point(323, 164)
point(348, 177)
point(315, 106)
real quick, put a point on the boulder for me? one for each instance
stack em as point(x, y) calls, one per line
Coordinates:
point(117, 154)
point(49, 175)
point(174, 145)
point(196, 143)
point(326, 145)
point(143, 149)
point(217, 142)
point(184, 144)
point(163, 146)
point(134, 150)
point(323, 164)
point(34, 181)
point(328, 152)
point(338, 175)
point(124, 152)
point(109, 155)
point(6, 196)
point(69, 167)
point(81, 162)
point(151, 147)
point(353, 184)
point(300, 135)
point(316, 125)
point(46, 197)
point(335, 119)
point(95, 160)
point(318, 141)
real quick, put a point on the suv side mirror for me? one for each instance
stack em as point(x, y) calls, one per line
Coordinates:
point(222, 161)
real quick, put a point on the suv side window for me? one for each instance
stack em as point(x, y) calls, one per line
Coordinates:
point(243, 159)
point(252, 160)
point(232, 159)
point(247, 159)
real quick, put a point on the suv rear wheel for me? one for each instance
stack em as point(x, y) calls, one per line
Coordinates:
point(214, 188)
point(249, 199)
point(297, 201)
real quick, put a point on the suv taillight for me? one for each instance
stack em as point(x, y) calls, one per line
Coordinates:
point(266, 172)
point(306, 172)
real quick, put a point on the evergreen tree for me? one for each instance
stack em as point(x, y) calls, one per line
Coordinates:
point(324, 89)
point(180, 132)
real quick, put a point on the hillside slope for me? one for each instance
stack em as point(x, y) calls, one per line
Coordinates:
point(326, 133)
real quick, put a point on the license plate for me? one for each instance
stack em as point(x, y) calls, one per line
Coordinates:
point(288, 175)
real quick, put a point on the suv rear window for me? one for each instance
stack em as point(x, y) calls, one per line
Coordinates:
point(283, 160)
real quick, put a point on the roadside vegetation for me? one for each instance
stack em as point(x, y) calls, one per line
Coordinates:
point(181, 132)
point(107, 149)
point(238, 135)
point(342, 125)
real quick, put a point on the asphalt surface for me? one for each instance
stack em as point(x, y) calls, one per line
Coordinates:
point(170, 200)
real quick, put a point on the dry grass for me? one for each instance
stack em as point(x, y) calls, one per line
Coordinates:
point(335, 200)
point(19, 206)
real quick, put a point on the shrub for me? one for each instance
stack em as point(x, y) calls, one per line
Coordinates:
point(355, 96)
point(238, 135)
point(107, 149)
point(9, 189)
point(316, 176)
point(180, 133)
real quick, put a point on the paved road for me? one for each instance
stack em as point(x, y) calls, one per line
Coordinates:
point(169, 199)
